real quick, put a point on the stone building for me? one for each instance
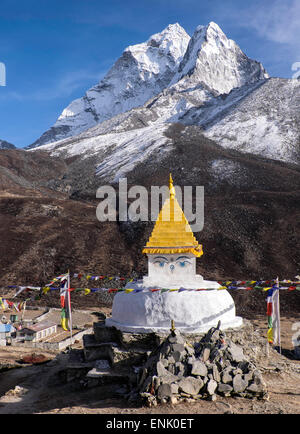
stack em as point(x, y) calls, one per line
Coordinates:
point(38, 331)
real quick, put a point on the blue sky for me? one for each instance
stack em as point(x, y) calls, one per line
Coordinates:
point(54, 51)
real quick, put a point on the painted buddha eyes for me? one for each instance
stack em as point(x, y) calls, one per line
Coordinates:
point(161, 261)
point(181, 261)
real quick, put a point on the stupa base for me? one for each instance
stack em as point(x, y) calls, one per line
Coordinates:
point(192, 311)
point(237, 323)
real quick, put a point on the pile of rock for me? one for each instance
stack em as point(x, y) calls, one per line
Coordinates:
point(179, 370)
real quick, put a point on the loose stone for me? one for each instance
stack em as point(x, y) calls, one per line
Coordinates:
point(236, 353)
point(216, 374)
point(226, 377)
point(239, 385)
point(206, 354)
point(211, 387)
point(199, 368)
point(174, 388)
point(224, 388)
point(177, 356)
point(164, 391)
point(190, 385)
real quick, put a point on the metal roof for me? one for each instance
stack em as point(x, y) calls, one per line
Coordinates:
point(5, 328)
point(40, 326)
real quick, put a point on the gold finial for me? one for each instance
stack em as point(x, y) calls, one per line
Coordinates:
point(172, 329)
point(171, 187)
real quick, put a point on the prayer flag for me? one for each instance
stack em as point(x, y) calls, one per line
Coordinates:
point(273, 313)
point(65, 299)
point(270, 335)
point(276, 317)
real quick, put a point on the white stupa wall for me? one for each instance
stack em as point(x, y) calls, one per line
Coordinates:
point(172, 271)
point(192, 311)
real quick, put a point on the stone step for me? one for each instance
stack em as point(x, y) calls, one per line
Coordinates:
point(127, 358)
point(94, 350)
point(102, 374)
point(140, 341)
point(89, 341)
point(112, 352)
point(105, 334)
point(111, 379)
point(94, 373)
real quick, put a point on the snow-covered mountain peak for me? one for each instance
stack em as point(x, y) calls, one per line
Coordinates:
point(215, 35)
point(171, 70)
point(142, 72)
point(216, 62)
point(215, 27)
point(161, 51)
point(173, 39)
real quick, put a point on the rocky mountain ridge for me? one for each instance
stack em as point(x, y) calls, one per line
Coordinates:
point(204, 66)
point(140, 73)
point(6, 145)
point(205, 80)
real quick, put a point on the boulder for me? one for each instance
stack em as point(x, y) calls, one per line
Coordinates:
point(178, 347)
point(171, 369)
point(255, 388)
point(164, 391)
point(225, 389)
point(199, 368)
point(206, 354)
point(244, 366)
point(226, 377)
point(174, 388)
point(239, 384)
point(211, 387)
point(190, 350)
point(171, 359)
point(177, 355)
point(156, 382)
point(190, 385)
point(236, 353)
point(216, 374)
point(160, 368)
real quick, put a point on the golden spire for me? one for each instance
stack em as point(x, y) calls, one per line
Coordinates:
point(172, 232)
point(171, 187)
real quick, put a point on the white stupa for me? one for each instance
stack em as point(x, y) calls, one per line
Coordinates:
point(172, 290)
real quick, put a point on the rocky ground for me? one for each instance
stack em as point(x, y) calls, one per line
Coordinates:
point(35, 388)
